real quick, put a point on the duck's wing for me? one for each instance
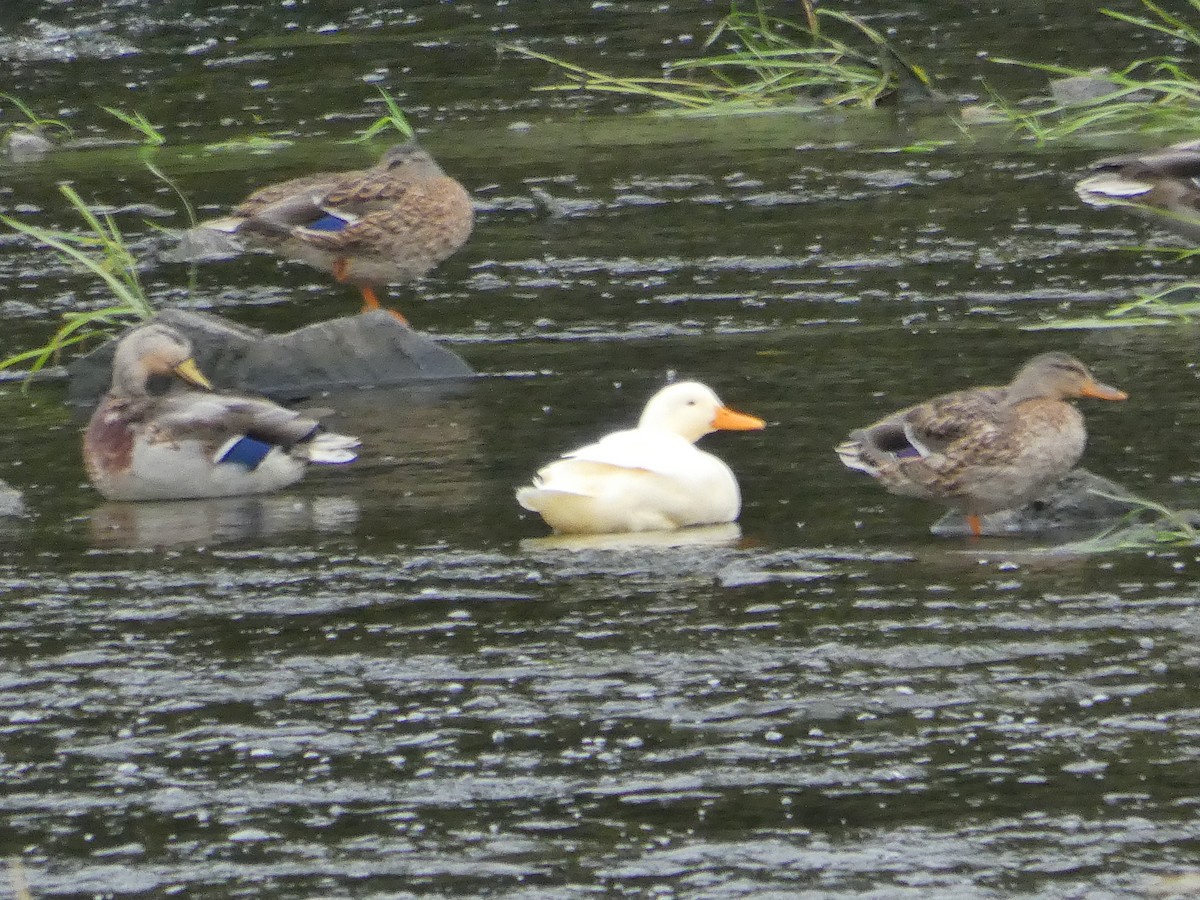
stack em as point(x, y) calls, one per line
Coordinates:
point(217, 417)
point(963, 416)
point(433, 215)
point(275, 195)
point(651, 451)
point(1179, 161)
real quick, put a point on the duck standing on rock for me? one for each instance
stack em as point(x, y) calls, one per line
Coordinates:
point(1160, 185)
point(188, 443)
point(391, 223)
point(649, 478)
point(983, 449)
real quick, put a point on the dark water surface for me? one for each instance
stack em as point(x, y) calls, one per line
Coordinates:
point(387, 682)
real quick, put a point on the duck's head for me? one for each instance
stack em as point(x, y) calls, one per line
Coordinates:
point(153, 350)
point(409, 160)
point(691, 410)
point(1059, 376)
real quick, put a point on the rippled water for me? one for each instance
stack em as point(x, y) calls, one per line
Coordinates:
point(388, 682)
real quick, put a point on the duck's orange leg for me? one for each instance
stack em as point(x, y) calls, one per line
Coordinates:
point(371, 301)
point(370, 298)
point(974, 523)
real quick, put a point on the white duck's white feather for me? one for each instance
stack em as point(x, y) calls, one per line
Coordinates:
point(647, 478)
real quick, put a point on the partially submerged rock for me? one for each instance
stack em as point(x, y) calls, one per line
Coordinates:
point(11, 501)
point(369, 350)
point(1079, 500)
point(1095, 84)
point(25, 144)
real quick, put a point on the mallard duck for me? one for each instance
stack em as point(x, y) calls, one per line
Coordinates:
point(647, 478)
point(1161, 185)
point(391, 223)
point(983, 449)
point(190, 443)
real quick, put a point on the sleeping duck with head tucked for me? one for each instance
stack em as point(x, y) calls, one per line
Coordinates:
point(191, 441)
point(983, 449)
point(391, 223)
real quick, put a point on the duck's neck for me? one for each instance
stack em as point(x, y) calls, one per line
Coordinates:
point(129, 381)
point(1024, 389)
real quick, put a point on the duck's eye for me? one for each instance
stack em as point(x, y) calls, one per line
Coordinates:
point(691, 403)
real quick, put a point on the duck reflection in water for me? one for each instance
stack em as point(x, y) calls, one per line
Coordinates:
point(190, 523)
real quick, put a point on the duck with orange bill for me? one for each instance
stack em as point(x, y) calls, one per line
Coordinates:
point(983, 449)
point(648, 478)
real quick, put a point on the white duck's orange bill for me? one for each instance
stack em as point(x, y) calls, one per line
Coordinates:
point(728, 419)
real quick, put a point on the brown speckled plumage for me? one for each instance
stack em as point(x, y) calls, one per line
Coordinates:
point(1161, 185)
point(984, 449)
point(402, 217)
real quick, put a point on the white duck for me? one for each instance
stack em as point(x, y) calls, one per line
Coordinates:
point(648, 478)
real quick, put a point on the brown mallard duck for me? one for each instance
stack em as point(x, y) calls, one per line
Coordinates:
point(983, 449)
point(1163, 185)
point(391, 223)
point(190, 443)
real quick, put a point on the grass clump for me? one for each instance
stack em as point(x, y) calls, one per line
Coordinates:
point(1148, 526)
point(394, 120)
point(1146, 310)
point(33, 121)
point(1153, 95)
point(151, 136)
point(102, 251)
point(773, 62)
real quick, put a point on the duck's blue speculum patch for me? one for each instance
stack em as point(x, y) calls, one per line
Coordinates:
point(329, 222)
point(244, 451)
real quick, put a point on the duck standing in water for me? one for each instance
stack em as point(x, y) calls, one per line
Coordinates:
point(388, 224)
point(1161, 186)
point(190, 443)
point(983, 449)
point(648, 478)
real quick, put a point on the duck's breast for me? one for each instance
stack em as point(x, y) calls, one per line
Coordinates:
point(1045, 442)
point(181, 470)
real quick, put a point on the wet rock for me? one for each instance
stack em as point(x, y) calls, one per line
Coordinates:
point(1097, 83)
point(25, 144)
point(202, 244)
point(1077, 502)
point(11, 501)
point(368, 350)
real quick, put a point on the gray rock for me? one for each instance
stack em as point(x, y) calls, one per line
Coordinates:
point(11, 501)
point(202, 244)
point(1075, 502)
point(1097, 83)
point(368, 350)
point(25, 144)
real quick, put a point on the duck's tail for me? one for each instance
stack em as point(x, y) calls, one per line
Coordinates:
point(329, 447)
point(854, 455)
point(227, 225)
point(1111, 189)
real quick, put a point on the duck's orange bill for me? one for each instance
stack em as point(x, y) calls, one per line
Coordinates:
point(190, 372)
point(1100, 391)
point(727, 419)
